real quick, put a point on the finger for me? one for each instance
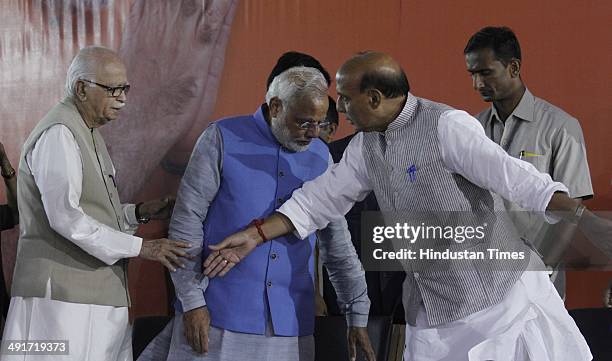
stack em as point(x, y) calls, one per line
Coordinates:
point(167, 264)
point(174, 260)
point(230, 256)
point(218, 268)
point(369, 351)
point(179, 252)
point(197, 346)
point(227, 268)
point(221, 245)
point(204, 339)
point(213, 263)
point(352, 348)
point(180, 244)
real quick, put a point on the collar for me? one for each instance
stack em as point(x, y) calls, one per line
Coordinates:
point(406, 115)
point(524, 110)
point(262, 125)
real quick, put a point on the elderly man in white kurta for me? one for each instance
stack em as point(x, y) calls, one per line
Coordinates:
point(70, 280)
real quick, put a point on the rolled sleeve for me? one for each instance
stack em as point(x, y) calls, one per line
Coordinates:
point(346, 274)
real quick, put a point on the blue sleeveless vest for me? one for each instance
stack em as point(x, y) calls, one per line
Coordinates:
point(257, 176)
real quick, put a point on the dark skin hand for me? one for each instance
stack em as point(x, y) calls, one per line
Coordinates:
point(10, 183)
point(359, 336)
point(165, 251)
point(197, 325)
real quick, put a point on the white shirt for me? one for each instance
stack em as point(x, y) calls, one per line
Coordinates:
point(55, 163)
point(465, 150)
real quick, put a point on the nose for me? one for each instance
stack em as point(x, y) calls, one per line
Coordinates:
point(477, 81)
point(313, 132)
point(122, 97)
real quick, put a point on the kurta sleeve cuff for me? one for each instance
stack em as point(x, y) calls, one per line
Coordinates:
point(298, 218)
point(356, 320)
point(129, 211)
point(192, 296)
point(136, 247)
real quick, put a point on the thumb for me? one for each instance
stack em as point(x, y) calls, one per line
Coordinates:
point(352, 349)
point(221, 245)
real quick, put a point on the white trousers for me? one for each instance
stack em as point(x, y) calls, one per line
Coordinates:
point(530, 324)
point(93, 332)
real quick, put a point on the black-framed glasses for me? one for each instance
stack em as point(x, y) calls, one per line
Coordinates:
point(312, 125)
point(110, 90)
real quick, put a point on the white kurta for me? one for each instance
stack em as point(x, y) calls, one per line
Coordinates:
point(531, 323)
point(94, 332)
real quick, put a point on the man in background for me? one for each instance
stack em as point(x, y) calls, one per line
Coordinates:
point(531, 129)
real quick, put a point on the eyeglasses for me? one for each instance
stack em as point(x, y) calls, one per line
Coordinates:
point(311, 125)
point(112, 91)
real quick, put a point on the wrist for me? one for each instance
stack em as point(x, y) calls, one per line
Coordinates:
point(254, 235)
point(141, 216)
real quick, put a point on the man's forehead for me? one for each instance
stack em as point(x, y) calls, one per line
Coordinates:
point(484, 56)
point(112, 70)
point(346, 80)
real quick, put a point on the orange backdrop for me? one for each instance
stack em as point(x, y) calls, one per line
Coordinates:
point(566, 54)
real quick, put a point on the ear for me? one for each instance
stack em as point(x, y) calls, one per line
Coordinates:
point(79, 91)
point(374, 98)
point(276, 107)
point(332, 129)
point(515, 68)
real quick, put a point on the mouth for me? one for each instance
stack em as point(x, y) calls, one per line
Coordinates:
point(302, 142)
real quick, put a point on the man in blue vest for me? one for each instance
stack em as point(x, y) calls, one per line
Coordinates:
point(241, 170)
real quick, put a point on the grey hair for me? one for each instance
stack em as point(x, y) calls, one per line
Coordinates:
point(295, 82)
point(85, 65)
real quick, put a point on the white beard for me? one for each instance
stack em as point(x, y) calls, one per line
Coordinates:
point(278, 126)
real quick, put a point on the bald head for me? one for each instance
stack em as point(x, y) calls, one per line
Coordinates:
point(375, 70)
point(372, 89)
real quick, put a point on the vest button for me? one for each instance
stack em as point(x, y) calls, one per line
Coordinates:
point(269, 284)
point(281, 173)
point(279, 200)
point(273, 255)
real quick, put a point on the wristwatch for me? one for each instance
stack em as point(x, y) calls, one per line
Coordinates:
point(8, 175)
point(140, 218)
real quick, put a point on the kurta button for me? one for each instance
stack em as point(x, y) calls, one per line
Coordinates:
point(269, 284)
point(281, 174)
point(273, 256)
point(416, 275)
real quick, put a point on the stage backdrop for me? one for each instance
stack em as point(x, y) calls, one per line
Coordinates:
point(174, 51)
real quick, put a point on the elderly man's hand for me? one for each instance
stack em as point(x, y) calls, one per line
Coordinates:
point(197, 325)
point(165, 251)
point(359, 336)
point(230, 251)
point(157, 208)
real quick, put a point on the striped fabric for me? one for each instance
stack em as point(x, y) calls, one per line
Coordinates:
point(449, 290)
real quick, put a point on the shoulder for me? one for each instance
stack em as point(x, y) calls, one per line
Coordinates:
point(484, 115)
point(554, 117)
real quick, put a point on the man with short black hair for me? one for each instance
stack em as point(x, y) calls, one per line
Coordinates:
point(528, 128)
